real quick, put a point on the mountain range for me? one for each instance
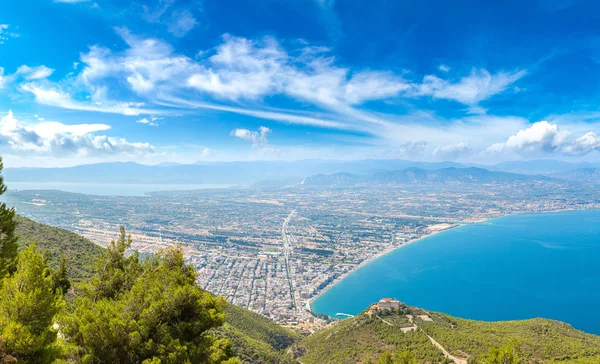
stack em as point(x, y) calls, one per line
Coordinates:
point(420, 175)
point(248, 173)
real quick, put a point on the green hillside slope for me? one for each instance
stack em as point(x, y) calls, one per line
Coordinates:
point(364, 338)
point(538, 339)
point(80, 252)
point(256, 339)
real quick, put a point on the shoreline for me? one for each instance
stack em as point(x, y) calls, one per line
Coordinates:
point(379, 255)
point(391, 249)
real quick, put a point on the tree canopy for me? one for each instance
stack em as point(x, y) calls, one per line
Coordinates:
point(8, 240)
point(145, 312)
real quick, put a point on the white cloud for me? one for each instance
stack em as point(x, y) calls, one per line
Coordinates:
point(153, 14)
point(444, 68)
point(452, 151)
point(241, 75)
point(478, 86)
point(258, 138)
point(61, 140)
point(56, 97)
point(5, 34)
point(583, 145)
point(544, 137)
point(151, 122)
point(34, 73)
point(541, 136)
point(412, 149)
point(2, 78)
point(181, 23)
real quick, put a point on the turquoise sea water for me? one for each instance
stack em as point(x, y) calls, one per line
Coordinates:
point(514, 267)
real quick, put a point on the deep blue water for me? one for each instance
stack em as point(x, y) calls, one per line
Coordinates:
point(514, 267)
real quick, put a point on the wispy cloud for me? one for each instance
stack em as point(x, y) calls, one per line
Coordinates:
point(71, 1)
point(149, 122)
point(479, 85)
point(242, 75)
point(6, 34)
point(181, 22)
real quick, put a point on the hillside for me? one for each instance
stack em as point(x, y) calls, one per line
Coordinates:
point(256, 339)
point(80, 252)
point(365, 337)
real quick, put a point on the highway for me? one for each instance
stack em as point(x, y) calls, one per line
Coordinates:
point(286, 238)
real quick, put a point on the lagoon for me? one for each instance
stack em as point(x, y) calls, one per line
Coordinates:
point(513, 267)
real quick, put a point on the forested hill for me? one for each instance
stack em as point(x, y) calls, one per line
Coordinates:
point(81, 253)
point(254, 338)
point(407, 334)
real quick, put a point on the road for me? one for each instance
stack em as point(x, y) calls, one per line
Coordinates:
point(286, 238)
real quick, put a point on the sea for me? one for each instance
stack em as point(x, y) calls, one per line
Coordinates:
point(109, 189)
point(514, 267)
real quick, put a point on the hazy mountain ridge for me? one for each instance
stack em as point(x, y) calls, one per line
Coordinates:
point(591, 175)
point(248, 173)
point(415, 175)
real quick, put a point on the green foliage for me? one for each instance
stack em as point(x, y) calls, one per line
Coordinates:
point(357, 339)
point(254, 338)
point(82, 255)
point(150, 312)
point(260, 328)
point(60, 281)
point(8, 240)
point(27, 308)
point(506, 354)
point(385, 358)
point(533, 340)
point(250, 350)
point(116, 273)
point(405, 357)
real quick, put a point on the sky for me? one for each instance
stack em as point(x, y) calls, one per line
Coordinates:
point(155, 81)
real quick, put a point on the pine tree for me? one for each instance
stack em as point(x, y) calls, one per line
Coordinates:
point(146, 312)
point(8, 240)
point(60, 281)
point(27, 308)
point(405, 357)
point(385, 358)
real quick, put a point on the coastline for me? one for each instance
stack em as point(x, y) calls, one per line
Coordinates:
point(379, 255)
point(458, 224)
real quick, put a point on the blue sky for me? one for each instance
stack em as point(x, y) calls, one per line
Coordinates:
point(181, 81)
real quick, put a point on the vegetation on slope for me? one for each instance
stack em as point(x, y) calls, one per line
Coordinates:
point(80, 253)
point(379, 338)
point(256, 339)
point(365, 338)
point(536, 339)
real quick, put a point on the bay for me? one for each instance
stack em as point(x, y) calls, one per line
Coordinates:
point(514, 267)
